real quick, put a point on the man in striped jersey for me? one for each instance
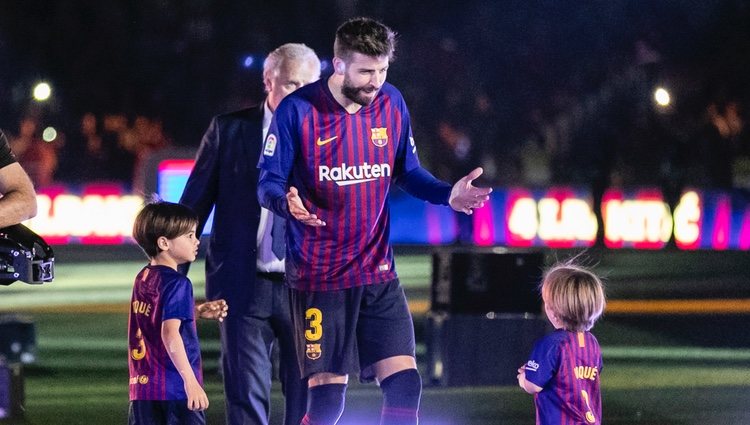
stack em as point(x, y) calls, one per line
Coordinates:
point(331, 154)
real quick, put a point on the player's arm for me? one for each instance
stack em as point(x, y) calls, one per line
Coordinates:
point(18, 201)
point(272, 193)
point(170, 336)
point(272, 196)
point(421, 184)
point(463, 196)
point(527, 386)
point(279, 152)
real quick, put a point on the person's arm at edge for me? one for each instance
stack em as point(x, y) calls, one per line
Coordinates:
point(421, 184)
point(18, 202)
point(170, 336)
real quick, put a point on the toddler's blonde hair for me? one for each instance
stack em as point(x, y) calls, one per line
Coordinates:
point(574, 294)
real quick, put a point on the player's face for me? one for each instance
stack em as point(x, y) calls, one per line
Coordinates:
point(184, 248)
point(363, 77)
point(292, 74)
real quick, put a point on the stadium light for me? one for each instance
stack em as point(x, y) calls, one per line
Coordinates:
point(49, 134)
point(662, 97)
point(42, 92)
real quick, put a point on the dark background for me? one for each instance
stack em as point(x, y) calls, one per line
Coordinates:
point(574, 78)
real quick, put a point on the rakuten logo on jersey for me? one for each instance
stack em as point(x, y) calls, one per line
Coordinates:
point(346, 175)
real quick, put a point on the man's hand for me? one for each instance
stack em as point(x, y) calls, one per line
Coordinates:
point(215, 310)
point(465, 197)
point(298, 210)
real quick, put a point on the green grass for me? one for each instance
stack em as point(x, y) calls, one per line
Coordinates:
point(653, 374)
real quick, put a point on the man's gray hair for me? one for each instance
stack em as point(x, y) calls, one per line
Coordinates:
point(289, 51)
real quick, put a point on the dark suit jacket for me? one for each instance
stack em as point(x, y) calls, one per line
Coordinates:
point(225, 176)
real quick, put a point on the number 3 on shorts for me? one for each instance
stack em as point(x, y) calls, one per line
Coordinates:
point(315, 330)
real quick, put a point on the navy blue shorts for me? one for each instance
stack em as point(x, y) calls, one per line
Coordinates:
point(348, 330)
point(163, 412)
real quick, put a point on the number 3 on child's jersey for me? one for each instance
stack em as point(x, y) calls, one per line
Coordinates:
point(315, 329)
point(589, 414)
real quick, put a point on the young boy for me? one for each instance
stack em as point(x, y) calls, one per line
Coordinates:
point(166, 382)
point(564, 366)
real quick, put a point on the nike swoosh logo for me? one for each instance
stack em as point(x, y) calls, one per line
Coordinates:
point(326, 141)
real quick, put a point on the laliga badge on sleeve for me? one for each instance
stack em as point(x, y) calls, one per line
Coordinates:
point(270, 147)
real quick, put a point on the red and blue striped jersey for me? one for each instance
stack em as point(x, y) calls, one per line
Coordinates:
point(566, 365)
point(343, 165)
point(160, 293)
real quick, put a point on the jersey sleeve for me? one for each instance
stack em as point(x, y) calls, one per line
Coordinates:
point(280, 146)
point(409, 175)
point(277, 158)
point(543, 362)
point(406, 156)
point(178, 300)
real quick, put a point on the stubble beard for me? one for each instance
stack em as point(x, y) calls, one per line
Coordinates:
point(355, 93)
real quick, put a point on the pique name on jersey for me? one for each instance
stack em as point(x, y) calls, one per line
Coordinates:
point(349, 174)
point(586, 372)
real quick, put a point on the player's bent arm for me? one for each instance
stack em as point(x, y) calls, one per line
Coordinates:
point(18, 202)
point(419, 183)
point(527, 386)
point(272, 193)
point(170, 336)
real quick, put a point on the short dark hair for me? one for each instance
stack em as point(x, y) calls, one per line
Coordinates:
point(366, 36)
point(158, 219)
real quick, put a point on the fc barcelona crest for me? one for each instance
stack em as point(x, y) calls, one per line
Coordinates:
point(313, 351)
point(379, 136)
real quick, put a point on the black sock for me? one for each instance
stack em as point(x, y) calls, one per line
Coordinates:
point(325, 404)
point(401, 394)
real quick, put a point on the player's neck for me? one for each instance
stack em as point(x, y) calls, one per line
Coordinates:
point(335, 83)
point(164, 259)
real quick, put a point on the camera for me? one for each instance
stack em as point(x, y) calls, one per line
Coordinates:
point(24, 256)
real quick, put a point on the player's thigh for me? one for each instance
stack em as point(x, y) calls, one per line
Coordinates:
point(385, 329)
point(325, 328)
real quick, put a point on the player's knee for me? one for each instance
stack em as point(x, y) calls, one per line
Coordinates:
point(325, 404)
point(402, 389)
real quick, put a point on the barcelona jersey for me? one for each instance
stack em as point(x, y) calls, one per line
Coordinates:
point(160, 293)
point(567, 366)
point(342, 165)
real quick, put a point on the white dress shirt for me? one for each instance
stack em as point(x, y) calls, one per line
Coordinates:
point(267, 260)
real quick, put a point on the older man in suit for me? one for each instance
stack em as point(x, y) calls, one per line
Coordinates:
point(245, 256)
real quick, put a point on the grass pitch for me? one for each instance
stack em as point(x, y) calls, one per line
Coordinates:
point(659, 369)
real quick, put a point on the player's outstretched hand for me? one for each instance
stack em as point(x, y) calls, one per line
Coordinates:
point(298, 210)
point(214, 310)
point(465, 197)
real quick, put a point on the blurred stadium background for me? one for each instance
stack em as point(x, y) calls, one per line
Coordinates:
point(612, 128)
